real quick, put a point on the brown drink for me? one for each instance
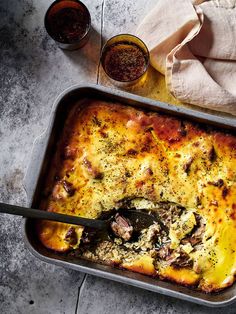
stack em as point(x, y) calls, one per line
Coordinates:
point(68, 23)
point(125, 58)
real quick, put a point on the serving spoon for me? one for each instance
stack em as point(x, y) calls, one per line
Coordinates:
point(138, 220)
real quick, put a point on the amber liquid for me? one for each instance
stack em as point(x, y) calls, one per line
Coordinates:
point(68, 24)
point(124, 61)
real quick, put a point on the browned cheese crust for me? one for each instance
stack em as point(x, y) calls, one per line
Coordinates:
point(109, 153)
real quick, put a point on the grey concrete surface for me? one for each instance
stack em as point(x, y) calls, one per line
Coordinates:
point(102, 296)
point(33, 71)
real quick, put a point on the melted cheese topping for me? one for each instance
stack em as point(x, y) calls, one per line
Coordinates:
point(109, 152)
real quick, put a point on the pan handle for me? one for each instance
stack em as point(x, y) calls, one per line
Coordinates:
point(34, 167)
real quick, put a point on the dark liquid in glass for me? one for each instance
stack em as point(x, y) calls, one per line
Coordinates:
point(124, 61)
point(67, 23)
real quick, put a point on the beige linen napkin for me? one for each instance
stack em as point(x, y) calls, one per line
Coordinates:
point(194, 44)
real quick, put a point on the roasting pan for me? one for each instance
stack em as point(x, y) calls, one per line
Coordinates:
point(42, 152)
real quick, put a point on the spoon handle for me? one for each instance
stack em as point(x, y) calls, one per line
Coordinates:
point(41, 214)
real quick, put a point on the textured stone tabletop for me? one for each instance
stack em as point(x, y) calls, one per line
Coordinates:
point(33, 71)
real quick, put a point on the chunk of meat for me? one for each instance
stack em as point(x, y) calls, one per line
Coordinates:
point(62, 190)
point(121, 227)
point(58, 192)
point(68, 187)
point(188, 164)
point(212, 154)
point(183, 260)
point(92, 170)
point(219, 183)
point(164, 252)
point(176, 258)
point(196, 236)
point(71, 236)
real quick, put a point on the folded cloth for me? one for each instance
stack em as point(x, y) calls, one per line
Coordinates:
point(194, 44)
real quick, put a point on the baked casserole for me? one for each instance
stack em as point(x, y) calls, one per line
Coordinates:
point(112, 156)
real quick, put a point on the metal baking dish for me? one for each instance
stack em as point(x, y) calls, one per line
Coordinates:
point(42, 152)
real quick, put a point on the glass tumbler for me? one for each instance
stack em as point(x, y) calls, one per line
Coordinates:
point(125, 59)
point(68, 22)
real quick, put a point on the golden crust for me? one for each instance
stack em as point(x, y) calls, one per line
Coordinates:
point(143, 265)
point(109, 152)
